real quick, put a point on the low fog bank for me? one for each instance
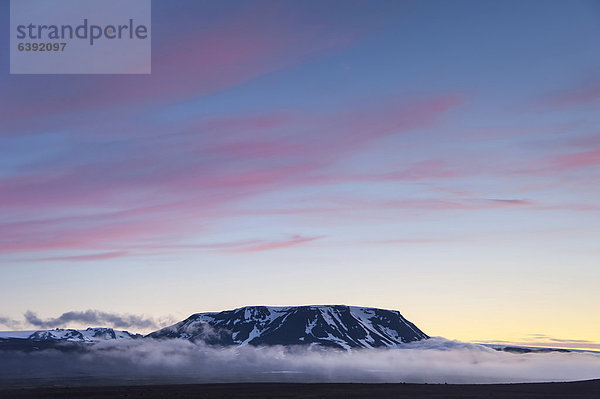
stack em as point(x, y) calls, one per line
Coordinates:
point(436, 360)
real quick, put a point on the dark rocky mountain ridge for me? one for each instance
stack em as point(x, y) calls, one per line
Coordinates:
point(336, 326)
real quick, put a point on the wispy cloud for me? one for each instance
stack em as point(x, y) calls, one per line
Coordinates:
point(10, 323)
point(561, 165)
point(516, 202)
point(92, 318)
point(585, 94)
point(160, 189)
point(546, 341)
point(576, 160)
point(269, 246)
point(263, 37)
point(436, 204)
point(90, 257)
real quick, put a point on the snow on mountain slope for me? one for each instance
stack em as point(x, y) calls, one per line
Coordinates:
point(337, 326)
point(70, 335)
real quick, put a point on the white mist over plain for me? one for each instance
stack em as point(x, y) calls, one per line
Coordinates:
point(435, 360)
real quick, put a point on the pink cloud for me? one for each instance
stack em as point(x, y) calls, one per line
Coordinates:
point(270, 246)
point(162, 188)
point(510, 202)
point(577, 160)
point(424, 170)
point(365, 208)
point(560, 164)
point(545, 341)
point(456, 204)
point(256, 245)
point(409, 241)
point(256, 148)
point(579, 207)
point(341, 205)
point(582, 95)
point(187, 63)
point(591, 140)
point(90, 257)
point(100, 234)
point(178, 162)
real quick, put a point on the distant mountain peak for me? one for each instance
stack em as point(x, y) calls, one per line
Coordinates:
point(91, 334)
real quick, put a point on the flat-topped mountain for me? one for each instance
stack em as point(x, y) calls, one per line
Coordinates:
point(336, 326)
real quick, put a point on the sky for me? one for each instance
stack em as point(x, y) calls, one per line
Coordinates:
point(437, 158)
